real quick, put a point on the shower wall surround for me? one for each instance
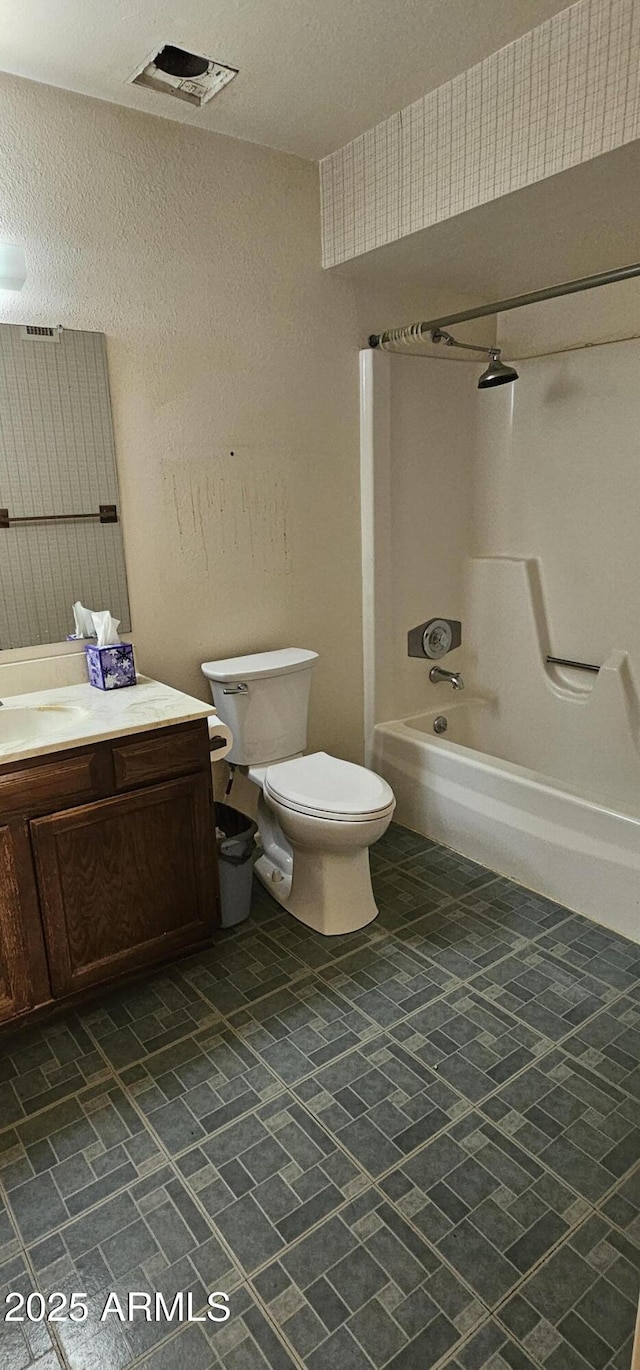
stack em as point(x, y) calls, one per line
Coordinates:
point(546, 469)
point(561, 95)
point(419, 417)
point(514, 510)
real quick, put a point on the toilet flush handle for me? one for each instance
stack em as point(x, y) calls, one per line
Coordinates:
point(239, 689)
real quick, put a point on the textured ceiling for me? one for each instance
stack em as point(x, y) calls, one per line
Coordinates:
point(313, 73)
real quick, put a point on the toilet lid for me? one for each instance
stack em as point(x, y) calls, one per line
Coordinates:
point(326, 787)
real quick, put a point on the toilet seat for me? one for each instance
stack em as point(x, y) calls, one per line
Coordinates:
point(323, 786)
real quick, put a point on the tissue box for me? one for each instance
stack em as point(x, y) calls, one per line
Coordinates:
point(110, 668)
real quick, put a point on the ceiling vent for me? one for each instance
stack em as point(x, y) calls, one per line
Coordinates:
point(185, 75)
point(38, 333)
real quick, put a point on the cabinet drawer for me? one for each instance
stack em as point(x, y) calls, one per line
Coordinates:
point(160, 757)
point(50, 785)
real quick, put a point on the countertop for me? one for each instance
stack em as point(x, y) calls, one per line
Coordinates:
point(87, 715)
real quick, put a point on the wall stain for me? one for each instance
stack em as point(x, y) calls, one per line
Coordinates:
point(234, 513)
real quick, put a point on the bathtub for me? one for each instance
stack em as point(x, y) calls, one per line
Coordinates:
point(558, 840)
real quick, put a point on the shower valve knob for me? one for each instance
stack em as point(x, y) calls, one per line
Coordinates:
point(434, 638)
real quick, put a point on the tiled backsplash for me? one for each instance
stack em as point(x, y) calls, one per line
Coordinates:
point(562, 94)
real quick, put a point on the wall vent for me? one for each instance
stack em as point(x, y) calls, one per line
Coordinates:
point(38, 333)
point(185, 75)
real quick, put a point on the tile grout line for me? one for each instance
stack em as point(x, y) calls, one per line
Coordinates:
point(571, 1229)
point(470, 1108)
point(479, 1105)
point(319, 972)
point(110, 1080)
point(310, 971)
point(140, 1361)
point(572, 1233)
point(249, 1278)
point(371, 1182)
point(442, 903)
point(392, 937)
point(23, 1252)
point(288, 1089)
point(491, 1312)
point(39, 1112)
point(225, 1023)
point(168, 1161)
point(375, 1183)
point(386, 1031)
point(246, 1278)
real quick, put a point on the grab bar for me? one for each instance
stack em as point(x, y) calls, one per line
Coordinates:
point(579, 665)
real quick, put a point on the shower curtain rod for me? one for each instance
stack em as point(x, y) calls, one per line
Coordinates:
point(416, 332)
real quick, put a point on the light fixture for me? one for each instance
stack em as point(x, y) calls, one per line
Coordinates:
point(13, 267)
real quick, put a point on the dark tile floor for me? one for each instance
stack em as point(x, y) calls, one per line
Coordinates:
point(409, 1148)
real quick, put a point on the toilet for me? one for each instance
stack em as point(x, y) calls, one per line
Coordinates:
point(317, 815)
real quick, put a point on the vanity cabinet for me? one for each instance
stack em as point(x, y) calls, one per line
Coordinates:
point(21, 978)
point(107, 863)
point(139, 862)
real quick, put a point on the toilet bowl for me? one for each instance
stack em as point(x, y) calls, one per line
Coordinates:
point(317, 815)
point(317, 818)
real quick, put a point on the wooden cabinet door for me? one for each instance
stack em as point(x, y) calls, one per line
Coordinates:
point(17, 989)
point(126, 881)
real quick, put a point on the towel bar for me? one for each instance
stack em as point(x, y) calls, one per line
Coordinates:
point(107, 513)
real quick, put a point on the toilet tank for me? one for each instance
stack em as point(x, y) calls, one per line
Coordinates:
point(264, 699)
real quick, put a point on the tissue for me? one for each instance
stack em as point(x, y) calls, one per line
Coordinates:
point(110, 663)
point(83, 620)
point(105, 628)
point(220, 738)
point(96, 623)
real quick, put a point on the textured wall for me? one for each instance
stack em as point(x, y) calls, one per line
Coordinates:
point(562, 94)
point(608, 314)
point(233, 368)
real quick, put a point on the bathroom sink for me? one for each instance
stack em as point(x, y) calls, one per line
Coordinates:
point(37, 721)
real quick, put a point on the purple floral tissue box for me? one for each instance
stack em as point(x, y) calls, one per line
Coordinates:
point(110, 668)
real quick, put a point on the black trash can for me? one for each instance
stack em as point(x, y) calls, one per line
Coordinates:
point(235, 834)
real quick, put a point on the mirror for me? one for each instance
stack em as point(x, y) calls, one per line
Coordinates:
point(60, 534)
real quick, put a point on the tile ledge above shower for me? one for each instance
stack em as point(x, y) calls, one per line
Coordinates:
point(51, 720)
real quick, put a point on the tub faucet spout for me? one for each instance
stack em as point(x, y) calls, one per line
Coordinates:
point(436, 674)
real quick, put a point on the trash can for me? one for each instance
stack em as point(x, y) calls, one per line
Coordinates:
point(235, 834)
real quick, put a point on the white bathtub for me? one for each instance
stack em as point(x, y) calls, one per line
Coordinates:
point(551, 837)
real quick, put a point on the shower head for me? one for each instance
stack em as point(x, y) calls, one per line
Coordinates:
point(497, 373)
